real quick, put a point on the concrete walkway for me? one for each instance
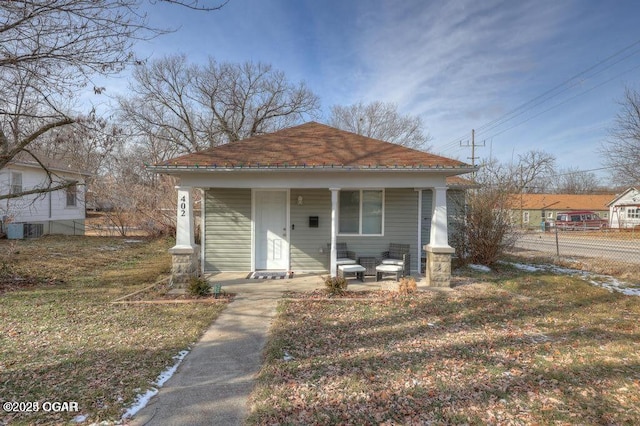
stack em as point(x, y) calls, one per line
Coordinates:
point(212, 385)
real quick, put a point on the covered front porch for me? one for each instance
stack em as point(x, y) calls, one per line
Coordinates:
point(284, 200)
point(298, 230)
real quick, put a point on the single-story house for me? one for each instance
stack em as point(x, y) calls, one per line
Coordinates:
point(624, 209)
point(55, 212)
point(530, 210)
point(282, 201)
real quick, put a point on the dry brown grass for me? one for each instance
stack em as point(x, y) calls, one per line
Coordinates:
point(526, 349)
point(61, 338)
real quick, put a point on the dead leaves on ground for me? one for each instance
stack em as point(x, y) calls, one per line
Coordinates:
point(542, 352)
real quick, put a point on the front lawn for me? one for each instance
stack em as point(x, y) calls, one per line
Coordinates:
point(61, 338)
point(525, 349)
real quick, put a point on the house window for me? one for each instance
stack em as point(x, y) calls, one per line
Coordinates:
point(550, 215)
point(361, 212)
point(16, 182)
point(633, 213)
point(72, 194)
point(525, 217)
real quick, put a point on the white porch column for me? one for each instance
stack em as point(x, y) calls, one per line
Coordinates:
point(333, 254)
point(184, 220)
point(439, 227)
point(419, 231)
point(438, 270)
point(185, 256)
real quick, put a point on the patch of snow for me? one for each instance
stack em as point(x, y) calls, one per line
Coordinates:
point(163, 377)
point(287, 356)
point(80, 418)
point(525, 267)
point(143, 399)
point(481, 268)
point(133, 241)
point(605, 281)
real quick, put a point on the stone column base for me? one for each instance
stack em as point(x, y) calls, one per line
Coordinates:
point(185, 265)
point(438, 268)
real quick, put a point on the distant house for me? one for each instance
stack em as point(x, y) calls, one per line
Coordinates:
point(624, 209)
point(275, 202)
point(530, 210)
point(57, 212)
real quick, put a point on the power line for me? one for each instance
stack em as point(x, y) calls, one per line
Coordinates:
point(565, 101)
point(569, 83)
point(544, 98)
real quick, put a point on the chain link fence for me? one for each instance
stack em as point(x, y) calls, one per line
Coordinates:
point(606, 249)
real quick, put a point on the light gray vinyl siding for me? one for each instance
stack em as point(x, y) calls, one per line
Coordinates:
point(227, 230)
point(427, 205)
point(400, 226)
point(306, 242)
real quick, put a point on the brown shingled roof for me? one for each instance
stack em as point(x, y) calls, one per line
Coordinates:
point(561, 202)
point(311, 145)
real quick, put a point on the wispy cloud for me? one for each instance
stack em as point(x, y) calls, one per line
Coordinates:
point(456, 60)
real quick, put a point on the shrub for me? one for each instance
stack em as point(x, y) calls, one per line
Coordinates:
point(407, 286)
point(199, 287)
point(336, 285)
point(485, 231)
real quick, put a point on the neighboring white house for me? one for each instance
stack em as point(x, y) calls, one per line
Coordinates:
point(57, 212)
point(624, 210)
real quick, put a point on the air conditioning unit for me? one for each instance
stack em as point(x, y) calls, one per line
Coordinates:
point(19, 231)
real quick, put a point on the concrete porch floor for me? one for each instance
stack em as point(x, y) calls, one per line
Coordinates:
point(237, 282)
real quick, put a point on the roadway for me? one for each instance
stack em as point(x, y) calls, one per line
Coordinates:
point(576, 243)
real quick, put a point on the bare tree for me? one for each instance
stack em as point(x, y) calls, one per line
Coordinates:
point(382, 121)
point(162, 106)
point(189, 108)
point(622, 151)
point(50, 49)
point(575, 181)
point(131, 198)
point(532, 173)
point(494, 174)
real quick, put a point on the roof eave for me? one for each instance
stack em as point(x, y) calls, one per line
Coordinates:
point(50, 168)
point(178, 169)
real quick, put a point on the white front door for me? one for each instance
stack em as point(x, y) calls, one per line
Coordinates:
point(271, 237)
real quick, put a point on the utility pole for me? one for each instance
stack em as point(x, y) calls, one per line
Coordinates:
point(473, 150)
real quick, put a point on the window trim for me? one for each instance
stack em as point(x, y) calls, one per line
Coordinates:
point(13, 187)
point(361, 200)
point(68, 193)
point(525, 216)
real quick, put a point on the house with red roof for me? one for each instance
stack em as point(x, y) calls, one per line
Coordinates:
point(532, 210)
point(284, 201)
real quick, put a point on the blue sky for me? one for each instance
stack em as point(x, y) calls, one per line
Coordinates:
point(459, 65)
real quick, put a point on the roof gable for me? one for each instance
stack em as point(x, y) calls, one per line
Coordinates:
point(26, 159)
point(631, 196)
point(311, 145)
